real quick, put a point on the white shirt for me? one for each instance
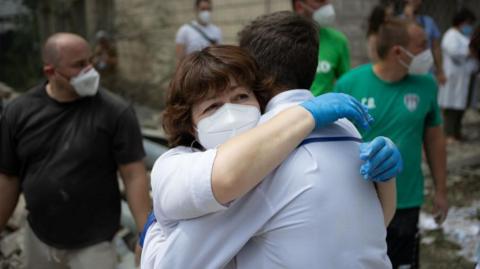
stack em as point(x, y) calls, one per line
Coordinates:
point(193, 40)
point(314, 211)
point(458, 68)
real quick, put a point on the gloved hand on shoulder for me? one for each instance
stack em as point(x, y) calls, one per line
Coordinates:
point(382, 158)
point(329, 107)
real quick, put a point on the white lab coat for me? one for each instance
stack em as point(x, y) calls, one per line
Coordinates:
point(458, 67)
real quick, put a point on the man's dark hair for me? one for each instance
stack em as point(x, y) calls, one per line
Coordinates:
point(285, 45)
point(462, 16)
point(393, 32)
point(197, 2)
point(376, 19)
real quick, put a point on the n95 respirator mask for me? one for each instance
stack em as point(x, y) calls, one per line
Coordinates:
point(228, 121)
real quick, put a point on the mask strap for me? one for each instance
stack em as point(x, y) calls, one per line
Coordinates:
point(62, 75)
point(409, 54)
point(403, 64)
point(192, 145)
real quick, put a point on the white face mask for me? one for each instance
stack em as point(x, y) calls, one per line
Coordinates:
point(226, 122)
point(420, 64)
point(86, 82)
point(324, 16)
point(204, 16)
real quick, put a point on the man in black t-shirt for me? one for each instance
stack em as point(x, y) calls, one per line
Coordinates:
point(61, 145)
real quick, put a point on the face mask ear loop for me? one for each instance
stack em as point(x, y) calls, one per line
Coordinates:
point(192, 145)
point(409, 54)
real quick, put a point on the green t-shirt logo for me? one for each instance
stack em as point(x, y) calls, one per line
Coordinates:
point(323, 67)
point(369, 102)
point(411, 101)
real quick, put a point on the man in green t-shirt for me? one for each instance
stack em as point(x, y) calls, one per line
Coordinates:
point(402, 98)
point(333, 54)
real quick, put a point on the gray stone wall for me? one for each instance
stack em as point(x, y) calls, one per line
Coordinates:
point(145, 32)
point(352, 21)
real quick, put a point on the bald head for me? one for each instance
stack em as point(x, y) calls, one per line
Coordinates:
point(61, 45)
point(414, 3)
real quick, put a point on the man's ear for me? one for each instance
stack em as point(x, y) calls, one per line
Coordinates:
point(397, 51)
point(298, 7)
point(48, 70)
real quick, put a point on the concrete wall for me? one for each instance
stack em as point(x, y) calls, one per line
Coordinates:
point(145, 31)
point(352, 21)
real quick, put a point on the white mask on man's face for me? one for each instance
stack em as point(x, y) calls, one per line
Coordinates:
point(86, 82)
point(228, 121)
point(204, 16)
point(421, 63)
point(324, 16)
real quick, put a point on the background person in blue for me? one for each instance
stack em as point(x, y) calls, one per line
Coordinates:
point(403, 101)
point(412, 11)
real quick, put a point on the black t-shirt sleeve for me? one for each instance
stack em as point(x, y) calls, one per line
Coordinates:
point(9, 163)
point(127, 140)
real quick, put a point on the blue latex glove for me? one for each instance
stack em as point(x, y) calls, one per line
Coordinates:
point(141, 236)
point(329, 107)
point(382, 158)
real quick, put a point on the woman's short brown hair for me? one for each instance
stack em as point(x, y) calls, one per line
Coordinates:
point(203, 74)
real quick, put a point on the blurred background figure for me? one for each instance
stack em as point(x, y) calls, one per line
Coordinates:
point(105, 59)
point(3, 96)
point(380, 13)
point(333, 54)
point(412, 11)
point(459, 65)
point(475, 43)
point(475, 78)
point(199, 33)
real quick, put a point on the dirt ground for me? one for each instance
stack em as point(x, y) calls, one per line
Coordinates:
point(464, 189)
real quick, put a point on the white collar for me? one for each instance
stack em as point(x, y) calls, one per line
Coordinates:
point(288, 97)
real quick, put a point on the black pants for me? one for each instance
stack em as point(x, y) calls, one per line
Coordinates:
point(453, 123)
point(403, 238)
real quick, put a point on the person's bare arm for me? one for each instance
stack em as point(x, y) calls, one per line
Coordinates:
point(245, 160)
point(438, 60)
point(434, 143)
point(179, 52)
point(134, 177)
point(10, 191)
point(387, 194)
